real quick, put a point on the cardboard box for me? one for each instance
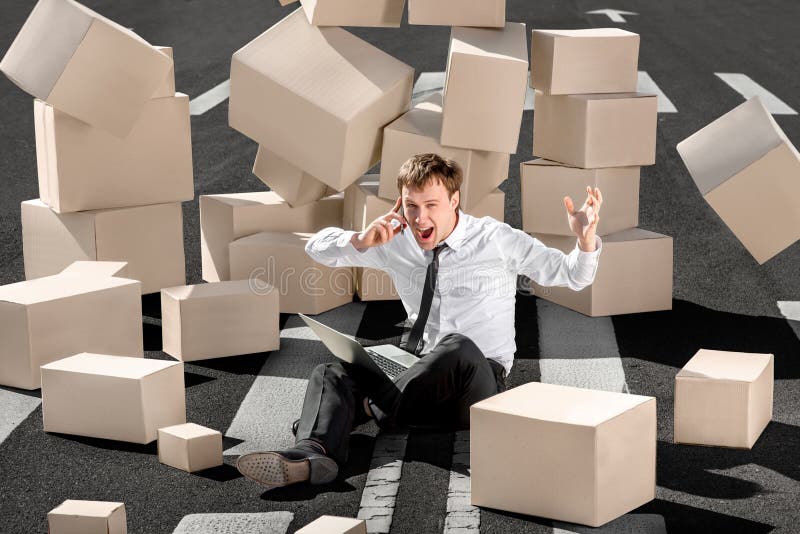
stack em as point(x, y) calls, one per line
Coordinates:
point(88, 517)
point(112, 397)
point(600, 130)
point(493, 205)
point(317, 97)
point(167, 87)
point(749, 172)
point(485, 86)
point(149, 238)
point(382, 13)
point(418, 132)
point(329, 524)
point(189, 447)
point(74, 59)
point(50, 318)
point(219, 319)
point(225, 218)
point(362, 205)
point(545, 183)
point(563, 453)
point(279, 259)
point(85, 168)
point(723, 398)
point(286, 2)
point(594, 60)
point(98, 268)
point(481, 13)
point(291, 183)
point(374, 284)
point(634, 275)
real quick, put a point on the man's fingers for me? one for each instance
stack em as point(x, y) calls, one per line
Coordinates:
point(397, 205)
point(393, 216)
point(569, 205)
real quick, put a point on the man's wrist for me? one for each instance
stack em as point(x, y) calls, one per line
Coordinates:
point(356, 242)
point(587, 245)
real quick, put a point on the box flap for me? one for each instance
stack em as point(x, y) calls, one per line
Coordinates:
point(724, 365)
point(107, 365)
point(509, 43)
point(424, 119)
point(589, 32)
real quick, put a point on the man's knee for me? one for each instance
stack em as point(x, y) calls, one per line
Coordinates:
point(457, 349)
point(333, 370)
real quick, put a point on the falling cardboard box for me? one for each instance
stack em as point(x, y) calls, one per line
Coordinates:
point(492, 205)
point(723, 398)
point(219, 319)
point(545, 183)
point(374, 284)
point(149, 238)
point(50, 318)
point(291, 183)
point(330, 524)
point(317, 97)
point(167, 87)
point(225, 218)
point(596, 130)
point(86, 168)
point(418, 132)
point(88, 517)
point(479, 13)
point(563, 453)
point(595, 60)
point(634, 275)
point(381, 13)
point(189, 447)
point(485, 85)
point(749, 172)
point(112, 397)
point(279, 259)
point(75, 60)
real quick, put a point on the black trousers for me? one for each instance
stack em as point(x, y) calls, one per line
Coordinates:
point(436, 391)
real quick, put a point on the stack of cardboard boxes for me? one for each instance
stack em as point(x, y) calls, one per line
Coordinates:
point(114, 159)
point(591, 127)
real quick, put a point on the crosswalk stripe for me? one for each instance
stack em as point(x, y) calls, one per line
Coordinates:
point(210, 99)
point(748, 88)
point(275, 398)
point(461, 517)
point(16, 408)
point(791, 310)
point(242, 523)
point(383, 482)
point(646, 84)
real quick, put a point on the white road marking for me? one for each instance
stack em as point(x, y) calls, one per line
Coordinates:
point(791, 310)
point(462, 517)
point(748, 88)
point(383, 481)
point(646, 84)
point(252, 523)
point(427, 84)
point(614, 14)
point(626, 524)
point(16, 408)
point(210, 99)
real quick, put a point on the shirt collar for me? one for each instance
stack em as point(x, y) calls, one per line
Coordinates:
point(456, 237)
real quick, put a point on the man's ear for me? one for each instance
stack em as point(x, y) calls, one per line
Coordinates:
point(455, 199)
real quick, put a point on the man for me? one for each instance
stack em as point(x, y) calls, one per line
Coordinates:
point(462, 314)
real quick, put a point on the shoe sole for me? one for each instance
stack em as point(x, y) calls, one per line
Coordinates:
point(274, 470)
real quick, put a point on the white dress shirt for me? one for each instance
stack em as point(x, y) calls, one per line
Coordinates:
point(477, 279)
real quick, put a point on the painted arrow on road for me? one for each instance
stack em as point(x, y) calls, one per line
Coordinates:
point(614, 14)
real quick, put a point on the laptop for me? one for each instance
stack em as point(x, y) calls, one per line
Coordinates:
point(383, 359)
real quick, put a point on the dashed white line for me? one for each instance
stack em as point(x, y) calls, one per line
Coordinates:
point(383, 482)
point(16, 408)
point(210, 99)
point(748, 88)
point(646, 84)
point(462, 517)
point(253, 523)
point(791, 310)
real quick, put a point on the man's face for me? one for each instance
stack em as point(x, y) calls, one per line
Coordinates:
point(430, 212)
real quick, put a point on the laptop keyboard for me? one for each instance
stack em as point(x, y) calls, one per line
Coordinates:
point(390, 367)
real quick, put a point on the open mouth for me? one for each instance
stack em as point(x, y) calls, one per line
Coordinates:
point(425, 233)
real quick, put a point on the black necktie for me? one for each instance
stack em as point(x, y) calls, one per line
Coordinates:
point(413, 344)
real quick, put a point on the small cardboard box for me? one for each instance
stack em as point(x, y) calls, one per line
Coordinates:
point(167, 87)
point(98, 268)
point(219, 319)
point(112, 397)
point(723, 398)
point(291, 183)
point(634, 275)
point(317, 97)
point(594, 60)
point(279, 259)
point(485, 85)
point(374, 284)
point(225, 218)
point(362, 205)
point(50, 318)
point(149, 238)
point(189, 447)
point(564, 453)
point(88, 517)
point(598, 130)
point(749, 172)
point(492, 205)
point(380, 13)
point(330, 524)
point(86, 168)
point(74, 59)
point(545, 183)
point(479, 13)
point(418, 132)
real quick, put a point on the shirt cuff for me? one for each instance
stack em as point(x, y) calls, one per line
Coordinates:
point(345, 241)
point(598, 243)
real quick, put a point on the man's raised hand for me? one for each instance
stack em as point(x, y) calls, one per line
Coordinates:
point(381, 230)
point(583, 222)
